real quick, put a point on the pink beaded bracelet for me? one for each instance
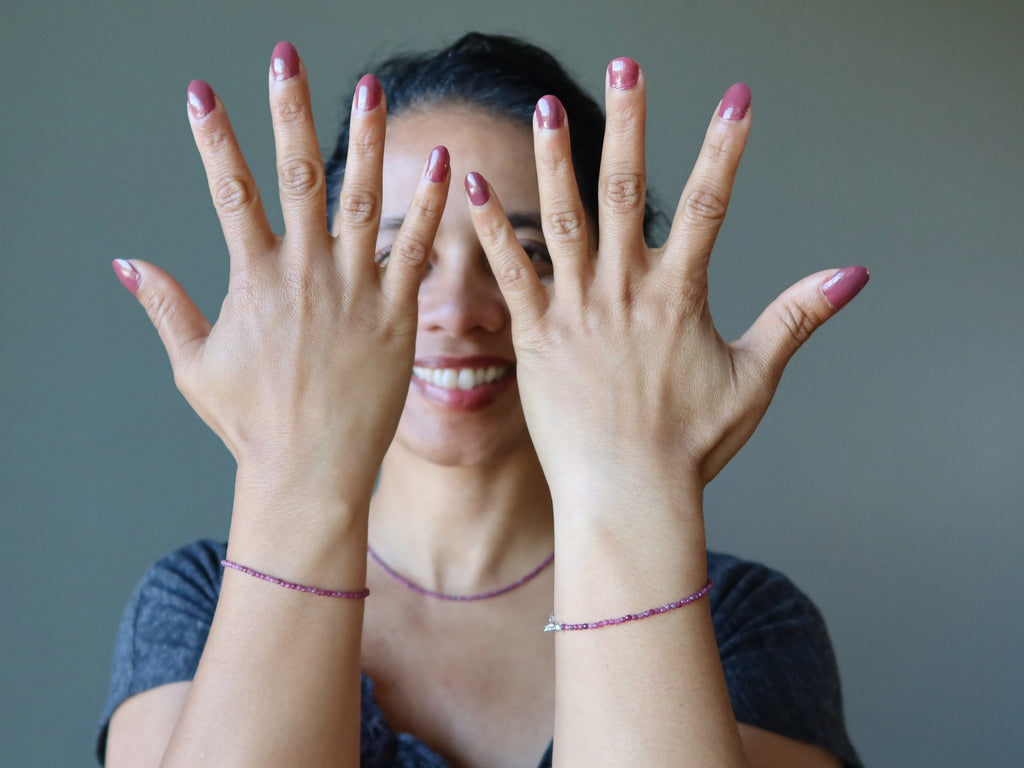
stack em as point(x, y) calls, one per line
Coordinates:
point(557, 626)
point(297, 587)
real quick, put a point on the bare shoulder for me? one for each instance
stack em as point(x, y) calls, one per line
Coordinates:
point(141, 726)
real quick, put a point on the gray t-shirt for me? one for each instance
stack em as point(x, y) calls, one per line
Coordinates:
point(778, 661)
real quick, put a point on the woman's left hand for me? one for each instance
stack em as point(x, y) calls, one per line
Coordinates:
point(626, 384)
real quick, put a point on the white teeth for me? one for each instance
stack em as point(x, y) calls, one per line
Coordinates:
point(466, 378)
point(460, 378)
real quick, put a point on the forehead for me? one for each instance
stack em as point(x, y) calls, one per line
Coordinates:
point(476, 140)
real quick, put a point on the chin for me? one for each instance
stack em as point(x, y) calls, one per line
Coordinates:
point(461, 442)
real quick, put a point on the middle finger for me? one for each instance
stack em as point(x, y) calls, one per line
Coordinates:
point(623, 180)
point(300, 172)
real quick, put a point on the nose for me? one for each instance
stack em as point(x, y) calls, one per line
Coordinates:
point(459, 296)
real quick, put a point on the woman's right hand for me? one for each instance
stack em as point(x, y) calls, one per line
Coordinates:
point(305, 372)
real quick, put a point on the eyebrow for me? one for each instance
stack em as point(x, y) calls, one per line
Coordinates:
point(517, 220)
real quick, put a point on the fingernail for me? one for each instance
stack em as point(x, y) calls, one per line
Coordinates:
point(127, 274)
point(550, 113)
point(623, 74)
point(368, 93)
point(201, 100)
point(284, 61)
point(735, 102)
point(477, 189)
point(438, 164)
point(844, 285)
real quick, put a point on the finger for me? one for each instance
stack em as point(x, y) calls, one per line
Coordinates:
point(622, 185)
point(410, 253)
point(300, 172)
point(797, 313)
point(180, 324)
point(359, 206)
point(563, 218)
point(232, 187)
point(517, 278)
point(705, 197)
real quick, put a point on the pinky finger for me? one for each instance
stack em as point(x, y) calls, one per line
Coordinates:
point(181, 326)
point(517, 278)
point(798, 312)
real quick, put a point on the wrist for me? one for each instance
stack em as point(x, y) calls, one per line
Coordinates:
point(299, 524)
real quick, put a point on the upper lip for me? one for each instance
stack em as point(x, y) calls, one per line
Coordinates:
point(470, 361)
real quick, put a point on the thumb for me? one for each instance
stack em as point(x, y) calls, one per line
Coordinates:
point(797, 313)
point(175, 316)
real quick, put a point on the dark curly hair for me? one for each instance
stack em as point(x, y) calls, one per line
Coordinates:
point(502, 75)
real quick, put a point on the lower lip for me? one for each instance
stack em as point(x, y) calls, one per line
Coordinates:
point(464, 399)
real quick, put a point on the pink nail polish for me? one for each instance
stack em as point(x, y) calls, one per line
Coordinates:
point(623, 74)
point(550, 113)
point(284, 61)
point(368, 93)
point(477, 188)
point(127, 274)
point(201, 100)
point(438, 164)
point(844, 285)
point(735, 102)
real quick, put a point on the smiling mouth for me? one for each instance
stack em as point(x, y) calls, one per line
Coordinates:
point(462, 378)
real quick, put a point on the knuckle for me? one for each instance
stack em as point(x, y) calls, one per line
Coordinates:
point(300, 178)
point(625, 191)
point(717, 149)
point(289, 111)
point(217, 137)
point(495, 233)
point(160, 310)
point(365, 143)
point(358, 206)
point(512, 273)
point(426, 208)
point(798, 321)
point(566, 224)
point(704, 206)
point(233, 194)
point(410, 251)
point(624, 120)
point(556, 164)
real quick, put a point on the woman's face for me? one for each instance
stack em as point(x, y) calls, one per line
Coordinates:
point(463, 405)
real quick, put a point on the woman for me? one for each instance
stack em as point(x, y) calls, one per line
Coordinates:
point(558, 390)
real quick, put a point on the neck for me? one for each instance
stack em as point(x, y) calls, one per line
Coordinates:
point(461, 530)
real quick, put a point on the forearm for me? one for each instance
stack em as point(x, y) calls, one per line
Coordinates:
point(645, 692)
point(279, 680)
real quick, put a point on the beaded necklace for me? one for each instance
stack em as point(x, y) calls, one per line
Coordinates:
point(458, 598)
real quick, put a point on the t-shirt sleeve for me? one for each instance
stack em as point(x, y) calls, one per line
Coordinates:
point(778, 660)
point(164, 627)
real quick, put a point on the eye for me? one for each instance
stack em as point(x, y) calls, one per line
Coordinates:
point(540, 257)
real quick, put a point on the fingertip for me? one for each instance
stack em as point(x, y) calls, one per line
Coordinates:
point(735, 102)
point(128, 275)
point(623, 73)
point(369, 93)
point(284, 61)
point(477, 189)
point(201, 99)
point(840, 289)
point(438, 164)
point(549, 113)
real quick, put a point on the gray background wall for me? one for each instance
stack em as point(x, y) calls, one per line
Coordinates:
point(885, 479)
